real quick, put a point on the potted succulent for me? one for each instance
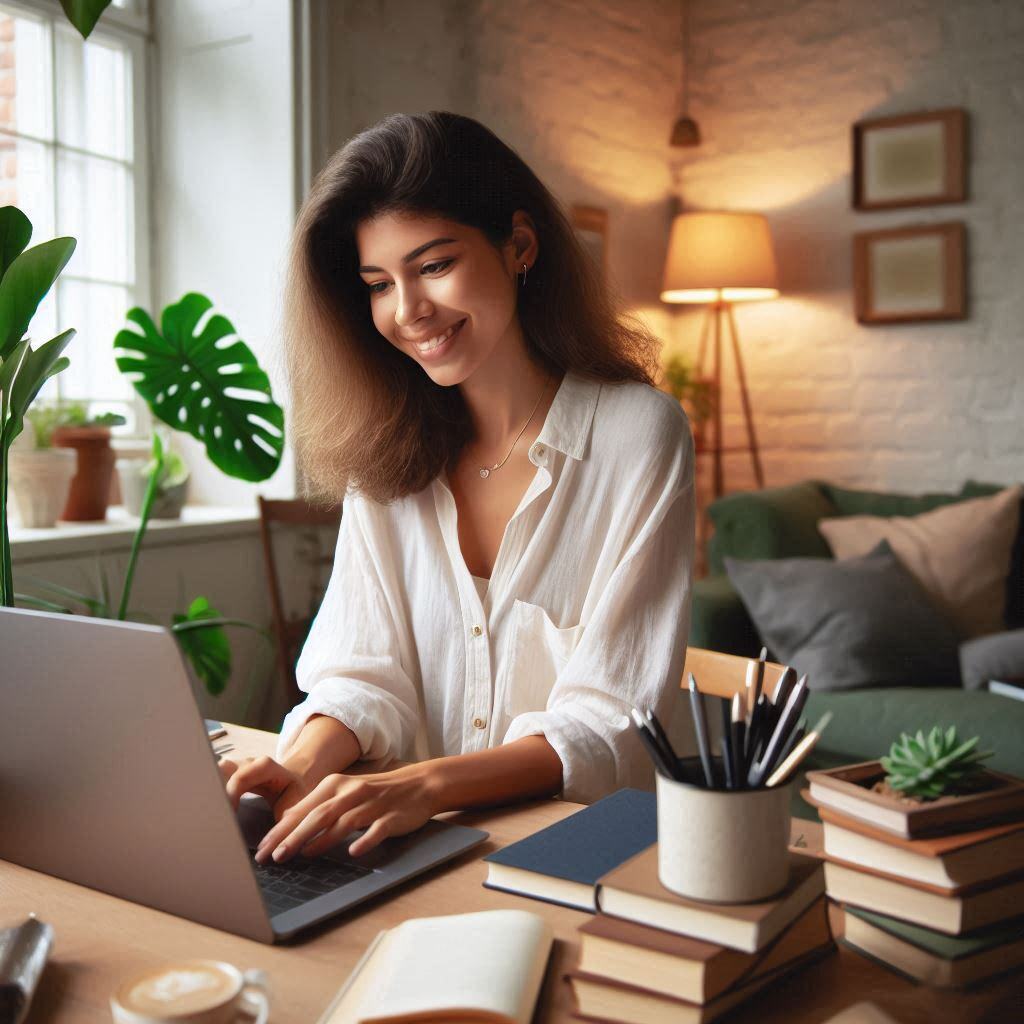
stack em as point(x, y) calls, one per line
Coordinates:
point(926, 785)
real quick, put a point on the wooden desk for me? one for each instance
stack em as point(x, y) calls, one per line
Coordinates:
point(101, 939)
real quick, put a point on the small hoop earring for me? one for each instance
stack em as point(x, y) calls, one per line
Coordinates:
point(524, 274)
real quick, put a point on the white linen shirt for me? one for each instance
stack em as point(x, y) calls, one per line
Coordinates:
point(586, 613)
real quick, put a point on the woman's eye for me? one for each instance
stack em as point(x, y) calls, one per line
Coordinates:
point(433, 268)
point(377, 284)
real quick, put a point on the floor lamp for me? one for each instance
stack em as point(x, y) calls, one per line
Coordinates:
point(717, 259)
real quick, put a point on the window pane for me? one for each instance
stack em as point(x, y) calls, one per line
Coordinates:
point(93, 107)
point(25, 75)
point(94, 204)
point(97, 312)
point(26, 181)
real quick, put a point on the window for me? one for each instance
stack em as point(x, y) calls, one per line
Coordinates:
point(73, 158)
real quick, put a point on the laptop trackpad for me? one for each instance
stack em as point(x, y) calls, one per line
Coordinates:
point(256, 819)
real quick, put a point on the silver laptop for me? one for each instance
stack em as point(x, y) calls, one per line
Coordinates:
point(108, 779)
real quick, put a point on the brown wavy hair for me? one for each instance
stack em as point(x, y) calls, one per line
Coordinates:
point(365, 416)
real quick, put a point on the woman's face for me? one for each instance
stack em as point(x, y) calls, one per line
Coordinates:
point(439, 291)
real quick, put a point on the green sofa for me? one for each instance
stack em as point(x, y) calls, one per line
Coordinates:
point(782, 523)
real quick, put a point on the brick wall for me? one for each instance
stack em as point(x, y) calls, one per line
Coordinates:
point(775, 88)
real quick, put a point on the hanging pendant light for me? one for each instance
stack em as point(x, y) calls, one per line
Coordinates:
point(685, 132)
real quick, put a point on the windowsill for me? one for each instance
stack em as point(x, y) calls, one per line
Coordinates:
point(197, 523)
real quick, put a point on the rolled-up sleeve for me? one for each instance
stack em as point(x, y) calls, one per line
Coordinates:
point(632, 649)
point(351, 665)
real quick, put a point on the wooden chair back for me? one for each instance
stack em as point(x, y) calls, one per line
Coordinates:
point(724, 674)
point(290, 631)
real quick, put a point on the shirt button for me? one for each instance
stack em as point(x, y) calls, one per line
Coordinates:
point(479, 723)
point(477, 631)
point(539, 451)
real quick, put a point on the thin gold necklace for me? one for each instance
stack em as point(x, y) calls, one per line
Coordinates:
point(486, 471)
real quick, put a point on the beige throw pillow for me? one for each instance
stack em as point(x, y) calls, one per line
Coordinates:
point(959, 553)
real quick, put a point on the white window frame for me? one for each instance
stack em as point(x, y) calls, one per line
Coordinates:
point(128, 26)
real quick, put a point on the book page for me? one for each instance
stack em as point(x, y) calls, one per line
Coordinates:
point(490, 962)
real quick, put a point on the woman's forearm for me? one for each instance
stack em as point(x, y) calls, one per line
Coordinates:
point(323, 747)
point(527, 768)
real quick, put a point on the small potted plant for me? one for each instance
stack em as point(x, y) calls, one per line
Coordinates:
point(89, 436)
point(697, 394)
point(40, 474)
point(926, 785)
point(171, 485)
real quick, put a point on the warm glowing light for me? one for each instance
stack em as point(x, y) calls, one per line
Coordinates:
point(720, 257)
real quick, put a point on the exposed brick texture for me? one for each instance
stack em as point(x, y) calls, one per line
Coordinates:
point(775, 88)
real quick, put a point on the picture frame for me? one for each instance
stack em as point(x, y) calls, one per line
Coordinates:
point(909, 274)
point(591, 224)
point(910, 160)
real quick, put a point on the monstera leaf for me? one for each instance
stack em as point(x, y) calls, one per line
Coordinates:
point(207, 649)
point(195, 378)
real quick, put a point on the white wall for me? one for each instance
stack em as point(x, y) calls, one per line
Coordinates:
point(776, 88)
point(224, 193)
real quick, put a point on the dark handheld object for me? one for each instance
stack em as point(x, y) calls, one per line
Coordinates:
point(647, 738)
point(700, 727)
point(787, 722)
point(727, 751)
point(23, 953)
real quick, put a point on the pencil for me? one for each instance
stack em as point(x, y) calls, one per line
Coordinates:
point(800, 751)
point(653, 750)
point(739, 728)
point(661, 737)
point(700, 727)
point(727, 762)
point(787, 721)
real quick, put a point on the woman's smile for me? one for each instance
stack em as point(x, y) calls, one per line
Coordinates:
point(438, 347)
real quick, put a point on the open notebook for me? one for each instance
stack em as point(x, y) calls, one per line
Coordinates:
point(487, 966)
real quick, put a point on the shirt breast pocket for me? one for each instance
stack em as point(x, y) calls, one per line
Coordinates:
point(539, 650)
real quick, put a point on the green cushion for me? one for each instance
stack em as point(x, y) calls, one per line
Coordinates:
point(719, 619)
point(849, 502)
point(779, 522)
point(865, 723)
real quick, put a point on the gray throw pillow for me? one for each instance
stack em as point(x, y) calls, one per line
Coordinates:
point(848, 624)
point(996, 656)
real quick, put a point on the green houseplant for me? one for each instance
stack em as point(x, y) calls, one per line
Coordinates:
point(697, 394)
point(26, 275)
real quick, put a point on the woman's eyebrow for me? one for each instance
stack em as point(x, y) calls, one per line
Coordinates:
point(411, 256)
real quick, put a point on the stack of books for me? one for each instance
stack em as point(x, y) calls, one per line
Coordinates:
point(649, 955)
point(943, 908)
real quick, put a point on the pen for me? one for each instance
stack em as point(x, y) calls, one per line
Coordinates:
point(787, 720)
point(661, 737)
point(759, 726)
point(755, 680)
point(727, 762)
point(647, 738)
point(739, 728)
point(783, 686)
point(700, 727)
point(800, 751)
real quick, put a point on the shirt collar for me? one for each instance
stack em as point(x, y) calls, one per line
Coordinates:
point(568, 422)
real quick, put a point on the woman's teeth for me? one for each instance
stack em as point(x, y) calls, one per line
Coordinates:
point(435, 343)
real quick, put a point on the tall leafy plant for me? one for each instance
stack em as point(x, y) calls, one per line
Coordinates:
point(26, 275)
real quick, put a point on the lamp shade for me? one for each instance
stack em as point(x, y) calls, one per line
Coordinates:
point(716, 257)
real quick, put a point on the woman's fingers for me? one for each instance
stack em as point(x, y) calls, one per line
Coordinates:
point(226, 768)
point(262, 775)
point(372, 837)
point(331, 822)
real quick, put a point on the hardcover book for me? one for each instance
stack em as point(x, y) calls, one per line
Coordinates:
point(561, 863)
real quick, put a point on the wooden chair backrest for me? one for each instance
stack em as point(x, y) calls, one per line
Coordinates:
point(724, 674)
point(289, 632)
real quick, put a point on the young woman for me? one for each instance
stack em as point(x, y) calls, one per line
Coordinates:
point(512, 572)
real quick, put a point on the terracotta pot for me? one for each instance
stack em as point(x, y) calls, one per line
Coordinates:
point(90, 488)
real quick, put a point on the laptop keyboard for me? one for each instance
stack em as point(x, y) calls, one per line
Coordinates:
point(289, 885)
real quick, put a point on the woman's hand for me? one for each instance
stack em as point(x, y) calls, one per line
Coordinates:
point(386, 804)
point(279, 785)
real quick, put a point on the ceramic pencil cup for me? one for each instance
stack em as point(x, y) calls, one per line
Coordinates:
point(723, 845)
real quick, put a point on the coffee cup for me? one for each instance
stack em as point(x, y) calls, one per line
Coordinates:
point(192, 992)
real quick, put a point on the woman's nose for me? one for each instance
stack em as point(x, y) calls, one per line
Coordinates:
point(411, 306)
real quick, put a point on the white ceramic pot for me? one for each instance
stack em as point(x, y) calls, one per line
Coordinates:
point(40, 480)
point(724, 846)
point(167, 504)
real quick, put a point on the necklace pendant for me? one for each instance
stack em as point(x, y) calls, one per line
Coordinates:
point(484, 472)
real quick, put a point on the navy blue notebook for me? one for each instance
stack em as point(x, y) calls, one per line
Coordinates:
point(561, 863)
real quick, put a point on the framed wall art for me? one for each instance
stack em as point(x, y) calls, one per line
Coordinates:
point(907, 274)
point(910, 160)
point(591, 224)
